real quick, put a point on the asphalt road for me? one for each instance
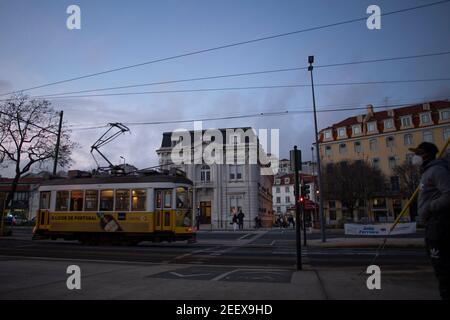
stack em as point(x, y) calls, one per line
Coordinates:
point(269, 249)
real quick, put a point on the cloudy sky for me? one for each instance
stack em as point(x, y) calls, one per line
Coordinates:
point(37, 48)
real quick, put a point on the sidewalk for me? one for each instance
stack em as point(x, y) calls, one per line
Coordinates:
point(367, 243)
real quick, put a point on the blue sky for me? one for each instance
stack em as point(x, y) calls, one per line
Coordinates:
point(37, 48)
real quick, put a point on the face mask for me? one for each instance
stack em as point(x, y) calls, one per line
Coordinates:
point(417, 160)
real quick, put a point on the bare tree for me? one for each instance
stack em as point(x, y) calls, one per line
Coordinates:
point(28, 134)
point(352, 181)
point(409, 178)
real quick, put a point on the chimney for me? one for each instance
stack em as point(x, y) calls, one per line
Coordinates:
point(426, 106)
point(370, 109)
point(359, 118)
point(390, 113)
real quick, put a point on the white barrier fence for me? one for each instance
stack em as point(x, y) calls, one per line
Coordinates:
point(379, 229)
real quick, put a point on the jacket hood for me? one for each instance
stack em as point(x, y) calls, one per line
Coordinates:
point(443, 162)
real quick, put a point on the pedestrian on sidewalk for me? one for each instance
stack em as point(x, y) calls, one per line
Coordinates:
point(240, 218)
point(234, 221)
point(197, 218)
point(434, 211)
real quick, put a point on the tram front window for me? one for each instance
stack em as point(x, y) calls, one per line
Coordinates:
point(184, 207)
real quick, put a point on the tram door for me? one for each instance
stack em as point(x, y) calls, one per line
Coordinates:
point(163, 206)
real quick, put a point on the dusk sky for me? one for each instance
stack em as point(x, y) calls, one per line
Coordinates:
point(36, 48)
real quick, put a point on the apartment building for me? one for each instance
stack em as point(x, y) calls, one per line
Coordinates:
point(382, 138)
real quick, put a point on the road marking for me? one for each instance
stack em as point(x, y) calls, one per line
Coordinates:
point(273, 242)
point(225, 274)
point(189, 275)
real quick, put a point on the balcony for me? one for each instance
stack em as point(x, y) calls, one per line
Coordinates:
point(203, 184)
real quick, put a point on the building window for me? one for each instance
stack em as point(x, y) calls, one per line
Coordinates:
point(328, 150)
point(235, 172)
point(409, 157)
point(286, 180)
point(406, 122)
point(358, 147)
point(376, 163)
point(371, 126)
point(332, 204)
point(341, 132)
point(332, 215)
point(388, 124)
point(356, 129)
point(278, 209)
point(373, 144)
point(277, 190)
point(390, 141)
point(392, 162)
point(286, 189)
point(342, 148)
point(277, 181)
point(428, 136)
point(278, 199)
point(288, 199)
point(328, 134)
point(446, 132)
point(425, 118)
point(445, 115)
point(205, 173)
point(408, 139)
point(395, 184)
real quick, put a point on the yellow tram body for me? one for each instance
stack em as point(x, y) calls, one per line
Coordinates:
point(121, 209)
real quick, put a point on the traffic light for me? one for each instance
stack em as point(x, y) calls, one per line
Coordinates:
point(305, 189)
point(302, 199)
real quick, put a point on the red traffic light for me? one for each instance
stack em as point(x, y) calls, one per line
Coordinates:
point(302, 199)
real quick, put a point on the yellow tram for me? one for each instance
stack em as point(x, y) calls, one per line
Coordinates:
point(117, 209)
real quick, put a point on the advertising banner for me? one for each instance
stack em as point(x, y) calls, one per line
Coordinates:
point(379, 229)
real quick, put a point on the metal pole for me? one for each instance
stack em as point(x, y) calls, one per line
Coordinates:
point(319, 169)
point(302, 208)
point(57, 143)
point(297, 212)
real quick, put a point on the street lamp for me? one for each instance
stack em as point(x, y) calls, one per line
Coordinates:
point(123, 162)
point(319, 171)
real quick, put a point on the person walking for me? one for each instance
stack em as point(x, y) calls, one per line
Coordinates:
point(197, 218)
point(434, 210)
point(234, 221)
point(240, 218)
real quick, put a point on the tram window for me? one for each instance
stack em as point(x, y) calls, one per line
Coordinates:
point(44, 202)
point(91, 202)
point(139, 197)
point(62, 200)
point(168, 199)
point(76, 200)
point(183, 201)
point(158, 199)
point(123, 199)
point(106, 200)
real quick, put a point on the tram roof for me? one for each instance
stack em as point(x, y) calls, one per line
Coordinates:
point(118, 179)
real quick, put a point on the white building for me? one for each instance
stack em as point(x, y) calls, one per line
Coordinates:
point(283, 192)
point(220, 189)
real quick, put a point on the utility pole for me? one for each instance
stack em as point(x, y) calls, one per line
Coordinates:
point(296, 158)
point(319, 171)
point(314, 183)
point(302, 208)
point(55, 164)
